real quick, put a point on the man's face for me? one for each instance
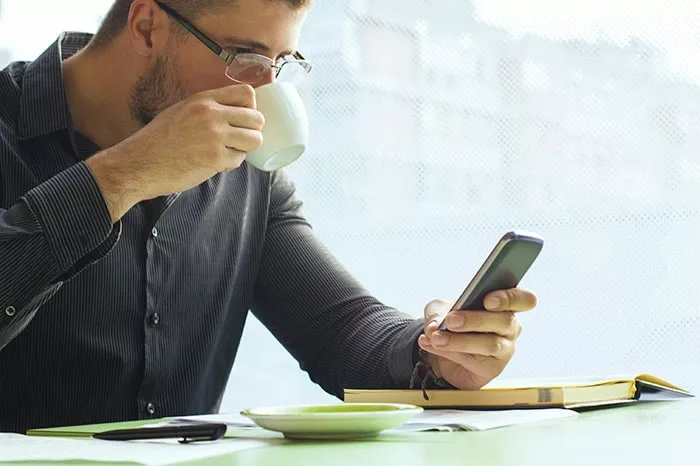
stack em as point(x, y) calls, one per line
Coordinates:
point(183, 67)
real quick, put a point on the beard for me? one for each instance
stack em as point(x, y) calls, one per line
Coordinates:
point(155, 90)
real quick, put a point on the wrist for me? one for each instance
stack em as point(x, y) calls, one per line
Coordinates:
point(426, 374)
point(120, 188)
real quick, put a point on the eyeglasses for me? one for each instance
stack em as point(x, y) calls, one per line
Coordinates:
point(247, 68)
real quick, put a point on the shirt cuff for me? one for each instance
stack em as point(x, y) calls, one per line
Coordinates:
point(73, 216)
point(401, 356)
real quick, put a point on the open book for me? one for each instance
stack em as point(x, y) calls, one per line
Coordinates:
point(534, 393)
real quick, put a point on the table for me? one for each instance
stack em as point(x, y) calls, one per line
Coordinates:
point(652, 433)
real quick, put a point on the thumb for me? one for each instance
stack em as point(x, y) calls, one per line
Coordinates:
point(434, 314)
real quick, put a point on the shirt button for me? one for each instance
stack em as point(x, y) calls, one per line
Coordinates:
point(10, 311)
point(151, 409)
point(154, 232)
point(155, 318)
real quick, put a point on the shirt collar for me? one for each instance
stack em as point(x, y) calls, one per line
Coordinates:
point(43, 105)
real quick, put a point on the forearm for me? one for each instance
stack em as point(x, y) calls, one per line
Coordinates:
point(379, 353)
point(342, 337)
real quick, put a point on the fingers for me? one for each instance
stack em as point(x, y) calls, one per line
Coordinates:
point(471, 371)
point(242, 117)
point(434, 314)
point(483, 344)
point(505, 324)
point(232, 159)
point(237, 142)
point(241, 128)
point(231, 115)
point(514, 299)
point(237, 95)
point(242, 139)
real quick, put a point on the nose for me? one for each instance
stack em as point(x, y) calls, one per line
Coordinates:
point(267, 79)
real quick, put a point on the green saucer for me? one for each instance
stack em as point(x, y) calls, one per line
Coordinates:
point(332, 422)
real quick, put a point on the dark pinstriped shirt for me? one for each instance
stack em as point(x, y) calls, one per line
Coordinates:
point(105, 322)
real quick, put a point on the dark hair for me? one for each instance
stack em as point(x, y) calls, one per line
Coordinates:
point(118, 15)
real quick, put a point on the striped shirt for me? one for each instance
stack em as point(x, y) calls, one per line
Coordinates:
point(104, 322)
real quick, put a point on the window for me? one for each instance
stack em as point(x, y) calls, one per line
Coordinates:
point(389, 52)
point(565, 118)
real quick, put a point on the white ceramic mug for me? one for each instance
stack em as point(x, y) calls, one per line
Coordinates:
point(286, 129)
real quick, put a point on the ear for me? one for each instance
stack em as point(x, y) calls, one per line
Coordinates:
point(148, 27)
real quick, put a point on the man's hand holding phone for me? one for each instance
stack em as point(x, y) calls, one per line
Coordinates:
point(478, 344)
point(472, 340)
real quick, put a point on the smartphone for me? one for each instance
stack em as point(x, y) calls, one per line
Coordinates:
point(507, 264)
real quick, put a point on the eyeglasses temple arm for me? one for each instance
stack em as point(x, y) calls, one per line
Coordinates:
point(213, 46)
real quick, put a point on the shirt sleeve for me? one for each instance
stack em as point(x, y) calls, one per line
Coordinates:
point(341, 335)
point(48, 236)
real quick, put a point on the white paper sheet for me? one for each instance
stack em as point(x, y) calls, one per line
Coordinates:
point(231, 420)
point(15, 447)
point(453, 419)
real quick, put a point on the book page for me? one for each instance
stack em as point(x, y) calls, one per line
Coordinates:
point(572, 381)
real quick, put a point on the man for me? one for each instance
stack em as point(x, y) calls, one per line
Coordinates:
point(134, 238)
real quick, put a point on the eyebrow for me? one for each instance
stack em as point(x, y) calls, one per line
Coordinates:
point(252, 44)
